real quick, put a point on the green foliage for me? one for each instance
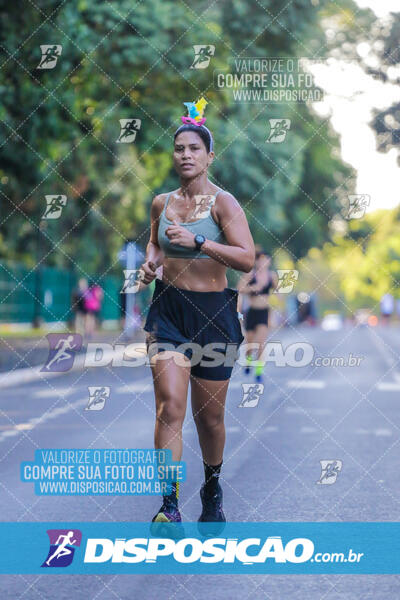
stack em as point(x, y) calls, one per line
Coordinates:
point(357, 268)
point(126, 59)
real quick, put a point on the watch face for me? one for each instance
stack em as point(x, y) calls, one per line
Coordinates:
point(199, 241)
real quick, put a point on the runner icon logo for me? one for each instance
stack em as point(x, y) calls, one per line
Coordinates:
point(358, 204)
point(133, 277)
point(129, 128)
point(54, 205)
point(202, 56)
point(251, 394)
point(279, 129)
point(330, 469)
point(50, 54)
point(62, 547)
point(287, 279)
point(97, 397)
point(62, 351)
point(204, 204)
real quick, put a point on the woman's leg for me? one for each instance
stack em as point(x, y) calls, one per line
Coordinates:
point(260, 337)
point(249, 339)
point(89, 326)
point(208, 408)
point(171, 381)
point(79, 320)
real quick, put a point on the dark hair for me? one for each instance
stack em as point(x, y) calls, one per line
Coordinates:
point(201, 130)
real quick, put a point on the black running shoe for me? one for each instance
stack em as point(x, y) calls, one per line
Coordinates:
point(212, 519)
point(168, 513)
point(167, 522)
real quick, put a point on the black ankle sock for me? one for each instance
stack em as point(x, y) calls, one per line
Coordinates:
point(211, 474)
point(172, 498)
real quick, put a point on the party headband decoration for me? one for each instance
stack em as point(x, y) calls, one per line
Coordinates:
point(196, 111)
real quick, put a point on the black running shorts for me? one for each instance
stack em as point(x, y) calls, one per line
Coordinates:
point(254, 317)
point(204, 326)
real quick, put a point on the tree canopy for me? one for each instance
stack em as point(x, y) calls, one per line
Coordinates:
point(133, 60)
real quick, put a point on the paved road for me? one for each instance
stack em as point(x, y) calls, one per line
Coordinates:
point(271, 464)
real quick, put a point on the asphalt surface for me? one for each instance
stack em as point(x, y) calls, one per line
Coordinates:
point(24, 352)
point(271, 462)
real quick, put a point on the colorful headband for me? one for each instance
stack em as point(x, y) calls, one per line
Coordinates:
point(196, 111)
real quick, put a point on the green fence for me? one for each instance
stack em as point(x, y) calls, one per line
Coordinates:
point(45, 294)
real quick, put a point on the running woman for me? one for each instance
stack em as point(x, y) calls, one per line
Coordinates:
point(197, 232)
point(258, 284)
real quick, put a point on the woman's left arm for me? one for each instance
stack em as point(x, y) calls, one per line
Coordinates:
point(239, 252)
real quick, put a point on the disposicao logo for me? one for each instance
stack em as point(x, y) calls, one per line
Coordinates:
point(190, 550)
point(62, 547)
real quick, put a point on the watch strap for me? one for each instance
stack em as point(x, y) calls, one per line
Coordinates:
point(199, 245)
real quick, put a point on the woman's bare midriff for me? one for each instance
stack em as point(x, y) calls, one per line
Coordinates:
point(196, 274)
point(259, 301)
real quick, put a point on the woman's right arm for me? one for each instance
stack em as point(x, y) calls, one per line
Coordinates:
point(154, 254)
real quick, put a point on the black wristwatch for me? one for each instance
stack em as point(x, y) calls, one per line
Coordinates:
point(199, 241)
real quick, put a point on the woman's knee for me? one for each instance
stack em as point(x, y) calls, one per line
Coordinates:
point(209, 421)
point(170, 411)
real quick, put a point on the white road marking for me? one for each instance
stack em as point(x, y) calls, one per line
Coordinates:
point(25, 375)
point(383, 432)
point(298, 410)
point(229, 429)
point(378, 432)
point(321, 411)
point(271, 428)
point(32, 423)
point(308, 430)
point(387, 386)
point(309, 384)
point(235, 385)
point(59, 391)
point(145, 385)
point(294, 410)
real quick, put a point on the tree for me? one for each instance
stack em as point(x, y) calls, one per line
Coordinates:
point(121, 61)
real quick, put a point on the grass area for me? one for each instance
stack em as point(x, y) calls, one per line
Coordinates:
point(27, 333)
point(39, 332)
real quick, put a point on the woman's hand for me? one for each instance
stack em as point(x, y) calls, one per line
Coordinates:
point(180, 235)
point(149, 272)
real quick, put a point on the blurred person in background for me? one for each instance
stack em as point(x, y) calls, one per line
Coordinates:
point(92, 301)
point(387, 307)
point(306, 308)
point(398, 308)
point(78, 305)
point(257, 286)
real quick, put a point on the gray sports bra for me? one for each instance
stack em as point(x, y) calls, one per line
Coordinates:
point(206, 226)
